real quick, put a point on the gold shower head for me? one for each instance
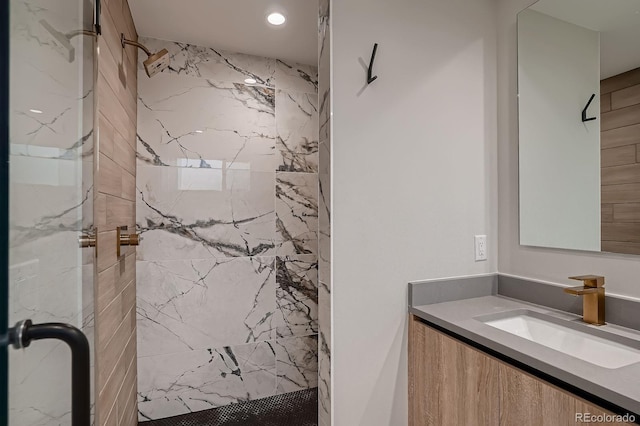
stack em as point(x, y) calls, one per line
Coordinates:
point(61, 42)
point(156, 62)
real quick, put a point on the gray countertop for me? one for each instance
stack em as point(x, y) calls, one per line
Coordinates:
point(619, 386)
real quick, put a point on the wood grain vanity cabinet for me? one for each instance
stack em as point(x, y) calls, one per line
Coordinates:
point(451, 383)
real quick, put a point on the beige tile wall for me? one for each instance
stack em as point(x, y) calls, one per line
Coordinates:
point(620, 106)
point(116, 366)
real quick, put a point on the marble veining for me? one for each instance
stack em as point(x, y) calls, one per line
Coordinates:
point(31, 146)
point(297, 213)
point(324, 182)
point(203, 213)
point(197, 61)
point(324, 72)
point(297, 295)
point(194, 304)
point(67, 218)
point(51, 148)
point(324, 217)
point(324, 114)
point(297, 77)
point(227, 209)
point(297, 128)
point(233, 124)
point(324, 379)
point(296, 363)
point(185, 382)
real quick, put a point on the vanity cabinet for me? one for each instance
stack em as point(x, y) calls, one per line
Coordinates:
point(451, 383)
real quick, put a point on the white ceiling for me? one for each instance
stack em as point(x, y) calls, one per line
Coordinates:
point(234, 25)
point(618, 22)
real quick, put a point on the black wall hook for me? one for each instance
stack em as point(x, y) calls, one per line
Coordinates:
point(584, 111)
point(370, 77)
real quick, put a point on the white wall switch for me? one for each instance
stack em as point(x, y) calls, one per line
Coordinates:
point(481, 247)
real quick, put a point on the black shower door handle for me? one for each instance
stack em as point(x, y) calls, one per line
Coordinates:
point(21, 335)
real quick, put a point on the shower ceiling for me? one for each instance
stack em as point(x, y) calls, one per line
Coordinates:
point(234, 25)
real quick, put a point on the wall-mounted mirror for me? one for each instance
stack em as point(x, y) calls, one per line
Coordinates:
point(579, 124)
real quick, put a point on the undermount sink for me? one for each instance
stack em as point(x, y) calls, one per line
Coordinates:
point(577, 340)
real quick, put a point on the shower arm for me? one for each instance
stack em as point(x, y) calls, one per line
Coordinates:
point(96, 25)
point(124, 42)
point(73, 34)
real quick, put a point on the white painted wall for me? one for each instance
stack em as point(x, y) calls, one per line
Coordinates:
point(558, 70)
point(414, 179)
point(547, 264)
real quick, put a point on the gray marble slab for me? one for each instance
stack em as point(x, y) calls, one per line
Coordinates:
point(436, 303)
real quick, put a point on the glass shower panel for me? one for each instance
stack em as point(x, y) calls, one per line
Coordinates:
point(51, 197)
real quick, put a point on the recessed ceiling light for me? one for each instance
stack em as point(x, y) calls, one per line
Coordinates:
point(199, 131)
point(276, 18)
point(250, 80)
point(35, 111)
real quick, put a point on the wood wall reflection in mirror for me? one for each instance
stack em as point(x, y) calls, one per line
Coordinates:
point(620, 160)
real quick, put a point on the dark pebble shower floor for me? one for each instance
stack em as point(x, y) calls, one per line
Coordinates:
point(291, 409)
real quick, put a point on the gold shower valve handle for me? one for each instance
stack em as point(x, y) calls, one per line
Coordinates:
point(129, 239)
point(125, 239)
point(88, 240)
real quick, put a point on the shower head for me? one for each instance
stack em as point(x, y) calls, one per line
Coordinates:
point(156, 62)
point(59, 41)
point(62, 42)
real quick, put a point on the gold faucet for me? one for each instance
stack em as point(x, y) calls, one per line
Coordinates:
point(593, 293)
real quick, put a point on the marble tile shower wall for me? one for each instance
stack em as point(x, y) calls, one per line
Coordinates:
point(227, 301)
point(324, 217)
point(51, 201)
